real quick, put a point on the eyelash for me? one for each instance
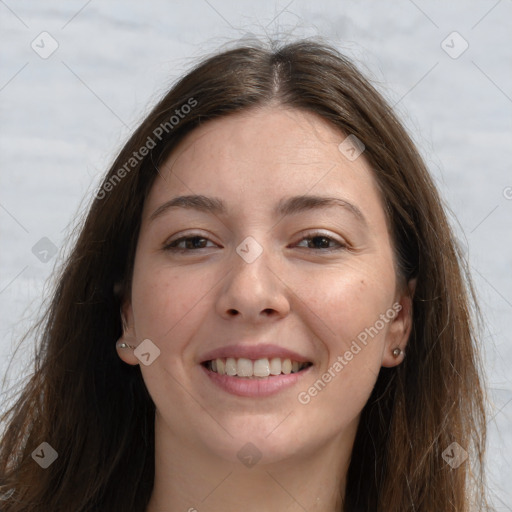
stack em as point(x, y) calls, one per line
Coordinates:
point(171, 246)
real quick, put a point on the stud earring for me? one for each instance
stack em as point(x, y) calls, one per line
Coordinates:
point(396, 352)
point(124, 345)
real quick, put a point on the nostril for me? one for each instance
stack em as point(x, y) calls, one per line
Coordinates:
point(232, 312)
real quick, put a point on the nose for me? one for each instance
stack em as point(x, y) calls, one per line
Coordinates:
point(253, 292)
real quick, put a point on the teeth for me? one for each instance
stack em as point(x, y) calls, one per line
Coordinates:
point(261, 368)
point(230, 366)
point(244, 367)
point(275, 366)
point(221, 366)
point(286, 366)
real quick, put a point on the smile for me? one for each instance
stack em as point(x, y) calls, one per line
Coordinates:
point(254, 378)
point(259, 368)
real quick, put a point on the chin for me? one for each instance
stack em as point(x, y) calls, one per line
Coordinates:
point(259, 443)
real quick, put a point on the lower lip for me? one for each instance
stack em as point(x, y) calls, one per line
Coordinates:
point(255, 387)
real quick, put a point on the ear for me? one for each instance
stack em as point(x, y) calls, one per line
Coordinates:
point(400, 327)
point(128, 337)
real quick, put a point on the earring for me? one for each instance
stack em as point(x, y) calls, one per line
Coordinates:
point(396, 352)
point(124, 345)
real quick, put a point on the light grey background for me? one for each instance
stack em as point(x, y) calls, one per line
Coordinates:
point(64, 117)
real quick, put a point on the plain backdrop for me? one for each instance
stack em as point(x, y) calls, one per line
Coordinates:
point(76, 79)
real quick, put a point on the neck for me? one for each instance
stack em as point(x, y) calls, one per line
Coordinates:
point(188, 479)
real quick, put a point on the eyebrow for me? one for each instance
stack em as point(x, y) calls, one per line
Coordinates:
point(285, 207)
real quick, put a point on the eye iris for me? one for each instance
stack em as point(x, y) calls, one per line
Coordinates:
point(192, 242)
point(323, 244)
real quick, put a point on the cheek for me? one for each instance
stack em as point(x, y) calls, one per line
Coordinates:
point(350, 305)
point(343, 303)
point(166, 298)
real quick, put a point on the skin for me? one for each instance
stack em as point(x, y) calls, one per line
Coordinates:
point(296, 294)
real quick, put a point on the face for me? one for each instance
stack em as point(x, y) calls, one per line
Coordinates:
point(281, 260)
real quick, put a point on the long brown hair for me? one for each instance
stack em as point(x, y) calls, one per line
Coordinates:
point(95, 411)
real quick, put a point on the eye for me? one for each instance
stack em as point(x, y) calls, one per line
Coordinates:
point(187, 243)
point(318, 241)
point(321, 241)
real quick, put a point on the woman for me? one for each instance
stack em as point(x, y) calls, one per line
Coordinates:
point(265, 309)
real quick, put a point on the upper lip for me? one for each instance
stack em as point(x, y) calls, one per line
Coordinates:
point(260, 351)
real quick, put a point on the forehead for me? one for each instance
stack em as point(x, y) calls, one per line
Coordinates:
point(255, 158)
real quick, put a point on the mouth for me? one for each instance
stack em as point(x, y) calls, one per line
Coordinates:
point(254, 378)
point(255, 369)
